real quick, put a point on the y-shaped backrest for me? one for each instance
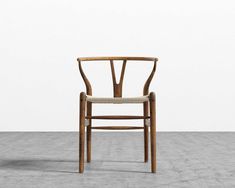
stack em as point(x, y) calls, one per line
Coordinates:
point(117, 87)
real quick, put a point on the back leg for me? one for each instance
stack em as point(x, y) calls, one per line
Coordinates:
point(89, 113)
point(145, 106)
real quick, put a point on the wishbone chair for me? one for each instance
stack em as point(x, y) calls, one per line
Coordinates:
point(149, 108)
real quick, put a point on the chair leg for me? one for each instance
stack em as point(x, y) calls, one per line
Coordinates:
point(145, 133)
point(153, 130)
point(89, 113)
point(88, 133)
point(82, 132)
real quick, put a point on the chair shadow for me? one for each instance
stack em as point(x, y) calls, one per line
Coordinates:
point(43, 165)
point(58, 165)
point(116, 161)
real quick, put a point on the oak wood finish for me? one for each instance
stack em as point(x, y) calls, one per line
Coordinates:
point(117, 58)
point(147, 83)
point(89, 113)
point(82, 131)
point(152, 100)
point(117, 87)
point(87, 83)
point(146, 129)
point(117, 127)
point(117, 117)
point(149, 109)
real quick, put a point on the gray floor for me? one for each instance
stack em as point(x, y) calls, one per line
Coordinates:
point(51, 160)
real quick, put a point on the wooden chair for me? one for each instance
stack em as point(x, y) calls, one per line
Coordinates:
point(149, 109)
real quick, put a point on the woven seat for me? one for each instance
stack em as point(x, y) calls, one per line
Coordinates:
point(117, 100)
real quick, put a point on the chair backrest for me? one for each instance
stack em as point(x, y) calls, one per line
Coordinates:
point(117, 87)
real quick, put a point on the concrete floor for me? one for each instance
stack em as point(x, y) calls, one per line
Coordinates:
point(50, 160)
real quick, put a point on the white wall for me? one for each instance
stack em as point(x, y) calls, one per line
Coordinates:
point(40, 41)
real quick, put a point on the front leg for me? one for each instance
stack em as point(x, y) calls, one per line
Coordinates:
point(82, 131)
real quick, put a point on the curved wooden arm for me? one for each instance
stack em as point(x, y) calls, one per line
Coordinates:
point(147, 83)
point(87, 83)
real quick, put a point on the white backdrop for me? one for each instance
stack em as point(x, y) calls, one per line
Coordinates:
point(40, 41)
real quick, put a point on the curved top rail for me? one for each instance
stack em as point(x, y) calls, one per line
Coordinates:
point(117, 58)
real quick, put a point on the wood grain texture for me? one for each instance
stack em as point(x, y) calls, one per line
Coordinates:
point(153, 131)
point(117, 127)
point(117, 117)
point(82, 131)
point(147, 83)
point(85, 79)
point(117, 58)
point(89, 113)
point(117, 87)
point(146, 131)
